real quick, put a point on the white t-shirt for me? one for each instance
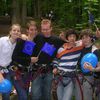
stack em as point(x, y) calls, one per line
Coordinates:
point(6, 50)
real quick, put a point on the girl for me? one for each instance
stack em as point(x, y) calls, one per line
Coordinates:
point(7, 45)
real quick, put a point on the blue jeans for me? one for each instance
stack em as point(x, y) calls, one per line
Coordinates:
point(77, 91)
point(20, 85)
point(41, 87)
point(6, 96)
point(65, 89)
point(87, 88)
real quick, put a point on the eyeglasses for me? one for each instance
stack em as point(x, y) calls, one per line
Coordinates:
point(45, 30)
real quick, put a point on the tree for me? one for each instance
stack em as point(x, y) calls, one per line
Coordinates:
point(23, 12)
point(67, 13)
point(15, 11)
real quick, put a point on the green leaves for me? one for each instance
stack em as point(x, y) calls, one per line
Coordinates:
point(67, 13)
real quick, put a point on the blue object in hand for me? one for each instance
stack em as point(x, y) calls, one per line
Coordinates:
point(5, 86)
point(91, 59)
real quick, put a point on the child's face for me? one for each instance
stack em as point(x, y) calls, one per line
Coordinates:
point(72, 38)
point(32, 30)
point(15, 32)
point(86, 40)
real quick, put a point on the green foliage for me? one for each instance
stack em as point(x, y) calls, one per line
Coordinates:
point(92, 6)
point(66, 14)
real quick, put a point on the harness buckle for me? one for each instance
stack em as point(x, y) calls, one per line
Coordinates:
point(13, 68)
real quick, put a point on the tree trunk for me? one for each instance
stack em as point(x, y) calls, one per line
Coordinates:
point(35, 8)
point(39, 8)
point(15, 11)
point(24, 13)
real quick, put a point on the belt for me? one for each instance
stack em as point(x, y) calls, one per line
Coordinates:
point(18, 67)
point(38, 66)
point(67, 74)
point(44, 67)
point(88, 74)
point(3, 69)
point(13, 68)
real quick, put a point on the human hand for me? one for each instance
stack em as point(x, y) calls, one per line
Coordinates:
point(55, 71)
point(88, 66)
point(34, 59)
point(1, 78)
point(98, 33)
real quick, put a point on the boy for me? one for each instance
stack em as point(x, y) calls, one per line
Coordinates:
point(67, 58)
point(89, 47)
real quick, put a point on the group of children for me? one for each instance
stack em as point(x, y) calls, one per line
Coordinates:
point(37, 57)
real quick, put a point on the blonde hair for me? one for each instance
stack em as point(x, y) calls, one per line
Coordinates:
point(12, 28)
point(46, 21)
point(31, 23)
point(15, 25)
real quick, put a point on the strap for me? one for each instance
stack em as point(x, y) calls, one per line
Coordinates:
point(78, 81)
point(65, 51)
point(3, 70)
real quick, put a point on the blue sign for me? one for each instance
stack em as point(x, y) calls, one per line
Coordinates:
point(91, 18)
point(49, 49)
point(28, 47)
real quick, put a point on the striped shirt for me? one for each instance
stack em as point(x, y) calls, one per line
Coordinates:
point(67, 58)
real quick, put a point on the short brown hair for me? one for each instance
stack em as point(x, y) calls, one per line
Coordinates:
point(86, 32)
point(70, 32)
point(31, 23)
point(46, 21)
